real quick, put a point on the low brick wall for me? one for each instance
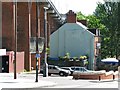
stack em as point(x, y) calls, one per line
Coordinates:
point(86, 76)
point(95, 76)
point(19, 61)
point(103, 76)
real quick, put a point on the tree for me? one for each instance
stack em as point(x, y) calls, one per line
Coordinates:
point(80, 16)
point(93, 22)
point(108, 14)
point(106, 18)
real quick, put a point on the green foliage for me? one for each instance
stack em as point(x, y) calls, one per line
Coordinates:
point(67, 56)
point(108, 14)
point(75, 58)
point(83, 57)
point(106, 18)
point(81, 16)
point(93, 21)
point(48, 51)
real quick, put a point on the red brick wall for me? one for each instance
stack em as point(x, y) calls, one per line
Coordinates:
point(23, 28)
point(19, 61)
point(11, 59)
point(7, 26)
point(93, 76)
point(23, 32)
point(71, 17)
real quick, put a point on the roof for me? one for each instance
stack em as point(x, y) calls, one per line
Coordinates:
point(83, 26)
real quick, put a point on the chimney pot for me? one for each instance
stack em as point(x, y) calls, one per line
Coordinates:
point(71, 17)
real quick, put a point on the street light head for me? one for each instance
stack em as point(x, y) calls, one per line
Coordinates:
point(46, 8)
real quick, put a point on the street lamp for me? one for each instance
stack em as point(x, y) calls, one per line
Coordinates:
point(36, 46)
point(37, 43)
point(37, 52)
point(45, 71)
point(15, 34)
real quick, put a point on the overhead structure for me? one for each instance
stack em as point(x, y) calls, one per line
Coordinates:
point(53, 11)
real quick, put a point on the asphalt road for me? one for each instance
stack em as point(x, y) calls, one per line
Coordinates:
point(67, 83)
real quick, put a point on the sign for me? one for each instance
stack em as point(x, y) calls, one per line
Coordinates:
point(33, 44)
point(2, 52)
point(37, 56)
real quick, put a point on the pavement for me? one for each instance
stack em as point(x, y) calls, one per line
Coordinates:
point(24, 80)
point(27, 80)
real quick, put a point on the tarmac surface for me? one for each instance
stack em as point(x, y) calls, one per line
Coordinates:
point(27, 80)
point(23, 81)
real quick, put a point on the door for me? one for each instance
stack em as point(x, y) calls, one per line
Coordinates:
point(5, 64)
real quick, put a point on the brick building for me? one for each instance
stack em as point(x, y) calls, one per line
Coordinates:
point(26, 26)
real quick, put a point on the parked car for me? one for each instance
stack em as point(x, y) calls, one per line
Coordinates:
point(84, 70)
point(80, 69)
point(56, 70)
point(68, 68)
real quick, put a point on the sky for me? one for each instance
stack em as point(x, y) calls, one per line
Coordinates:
point(85, 6)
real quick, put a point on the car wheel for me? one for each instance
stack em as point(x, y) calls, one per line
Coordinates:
point(61, 73)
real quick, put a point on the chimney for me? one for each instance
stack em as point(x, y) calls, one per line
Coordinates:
point(71, 17)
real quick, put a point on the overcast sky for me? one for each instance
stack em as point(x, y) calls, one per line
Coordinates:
point(85, 6)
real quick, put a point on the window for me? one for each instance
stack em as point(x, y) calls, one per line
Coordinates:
point(73, 68)
point(54, 67)
point(77, 69)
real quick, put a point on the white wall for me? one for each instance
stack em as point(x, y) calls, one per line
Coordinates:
point(74, 39)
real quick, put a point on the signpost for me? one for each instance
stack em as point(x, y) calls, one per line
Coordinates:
point(36, 46)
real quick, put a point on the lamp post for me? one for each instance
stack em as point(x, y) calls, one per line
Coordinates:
point(37, 43)
point(15, 34)
point(37, 51)
point(45, 72)
point(40, 46)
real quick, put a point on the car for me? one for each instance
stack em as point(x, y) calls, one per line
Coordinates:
point(52, 69)
point(80, 69)
point(68, 68)
point(84, 70)
point(57, 70)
